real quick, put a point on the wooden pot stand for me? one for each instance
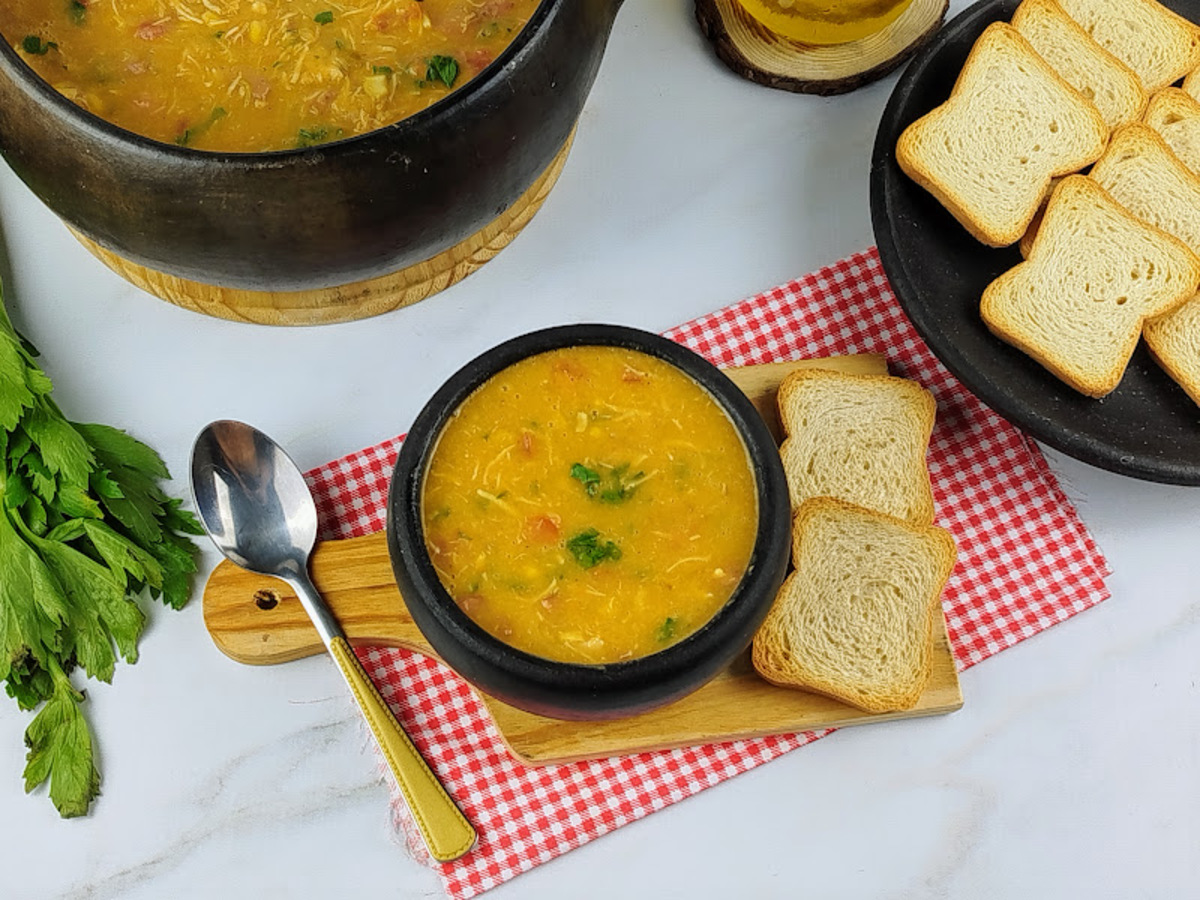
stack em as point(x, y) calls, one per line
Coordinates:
point(756, 53)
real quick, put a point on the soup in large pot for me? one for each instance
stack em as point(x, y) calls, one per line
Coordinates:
point(255, 75)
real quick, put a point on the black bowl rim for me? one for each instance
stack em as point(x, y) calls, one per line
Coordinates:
point(725, 635)
point(91, 123)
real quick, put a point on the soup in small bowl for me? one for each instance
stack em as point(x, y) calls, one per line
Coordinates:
point(588, 521)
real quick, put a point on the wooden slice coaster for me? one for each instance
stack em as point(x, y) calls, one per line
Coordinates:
point(344, 303)
point(754, 52)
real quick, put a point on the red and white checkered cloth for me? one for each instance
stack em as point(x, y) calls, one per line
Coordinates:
point(1026, 562)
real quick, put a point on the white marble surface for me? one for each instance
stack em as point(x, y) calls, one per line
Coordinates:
point(1072, 771)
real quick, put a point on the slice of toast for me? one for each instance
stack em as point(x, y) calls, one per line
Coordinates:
point(1140, 172)
point(859, 438)
point(854, 621)
point(1175, 115)
point(1011, 124)
point(1174, 338)
point(1095, 273)
point(1174, 342)
point(1156, 43)
point(1110, 84)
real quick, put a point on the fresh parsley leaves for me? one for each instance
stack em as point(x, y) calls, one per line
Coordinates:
point(443, 69)
point(35, 46)
point(589, 550)
point(324, 17)
point(84, 529)
point(589, 478)
point(614, 486)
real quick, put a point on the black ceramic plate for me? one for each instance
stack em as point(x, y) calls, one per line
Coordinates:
point(1147, 428)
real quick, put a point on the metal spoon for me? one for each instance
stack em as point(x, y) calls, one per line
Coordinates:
point(257, 508)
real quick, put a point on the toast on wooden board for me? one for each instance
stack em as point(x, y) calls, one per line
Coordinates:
point(1010, 125)
point(1158, 44)
point(859, 438)
point(1174, 342)
point(1175, 115)
point(1112, 86)
point(854, 620)
point(1095, 273)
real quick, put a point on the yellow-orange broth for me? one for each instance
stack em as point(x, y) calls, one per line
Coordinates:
point(255, 75)
point(590, 505)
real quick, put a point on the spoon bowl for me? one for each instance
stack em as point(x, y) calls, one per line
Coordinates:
point(270, 520)
point(256, 506)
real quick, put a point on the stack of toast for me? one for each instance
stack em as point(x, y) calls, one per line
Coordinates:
point(1064, 132)
point(855, 618)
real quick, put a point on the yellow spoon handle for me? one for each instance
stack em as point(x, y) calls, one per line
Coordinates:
point(446, 831)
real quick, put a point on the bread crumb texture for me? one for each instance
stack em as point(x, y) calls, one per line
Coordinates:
point(1011, 124)
point(1095, 273)
point(1112, 86)
point(1158, 44)
point(854, 621)
point(859, 438)
point(1175, 115)
point(1174, 341)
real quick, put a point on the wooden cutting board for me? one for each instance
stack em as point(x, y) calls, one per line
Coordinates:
point(258, 620)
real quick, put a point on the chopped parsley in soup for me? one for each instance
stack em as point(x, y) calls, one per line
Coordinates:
point(590, 504)
point(255, 75)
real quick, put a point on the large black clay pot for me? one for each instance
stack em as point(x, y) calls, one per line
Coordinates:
point(308, 219)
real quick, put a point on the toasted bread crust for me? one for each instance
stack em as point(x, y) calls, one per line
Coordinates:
point(1174, 341)
point(860, 438)
point(1095, 273)
point(1158, 44)
point(961, 151)
point(1141, 173)
point(854, 621)
point(1112, 86)
point(1191, 84)
point(1175, 115)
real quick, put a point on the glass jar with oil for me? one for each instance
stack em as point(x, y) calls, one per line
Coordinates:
point(824, 21)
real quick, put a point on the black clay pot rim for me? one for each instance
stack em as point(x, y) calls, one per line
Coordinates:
point(90, 123)
point(599, 678)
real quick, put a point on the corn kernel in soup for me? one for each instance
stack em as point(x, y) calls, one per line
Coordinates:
point(255, 75)
point(590, 505)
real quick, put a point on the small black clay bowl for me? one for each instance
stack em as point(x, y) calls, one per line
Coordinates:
point(567, 690)
point(328, 215)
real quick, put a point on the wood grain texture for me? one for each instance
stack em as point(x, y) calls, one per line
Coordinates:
point(758, 54)
point(257, 620)
point(761, 382)
point(348, 302)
